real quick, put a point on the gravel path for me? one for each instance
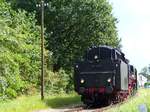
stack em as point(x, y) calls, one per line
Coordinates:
point(54, 110)
point(71, 108)
point(74, 109)
point(68, 110)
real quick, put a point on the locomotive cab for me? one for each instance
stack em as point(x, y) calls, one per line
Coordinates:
point(97, 54)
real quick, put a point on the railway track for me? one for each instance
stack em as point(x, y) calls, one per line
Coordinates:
point(82, 108)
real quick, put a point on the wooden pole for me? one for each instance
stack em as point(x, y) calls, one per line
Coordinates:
point(42, 50)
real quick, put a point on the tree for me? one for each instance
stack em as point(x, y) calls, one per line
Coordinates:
point(20, 51)
point(145, 72)
point(74, 25)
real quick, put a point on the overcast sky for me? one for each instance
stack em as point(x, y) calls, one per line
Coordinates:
point(134, 29)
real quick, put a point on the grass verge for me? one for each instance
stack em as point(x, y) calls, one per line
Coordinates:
point(30, 103)
point(132, 105)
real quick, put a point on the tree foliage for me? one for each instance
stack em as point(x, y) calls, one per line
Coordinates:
point(71, 27)
point(19, 51)
point(57, 82)
point(74, 25)
point(146, 72)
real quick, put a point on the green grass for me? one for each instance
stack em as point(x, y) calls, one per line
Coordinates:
point(142, 97)
point(30, 103)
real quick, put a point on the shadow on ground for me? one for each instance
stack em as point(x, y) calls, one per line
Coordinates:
point(62, 101)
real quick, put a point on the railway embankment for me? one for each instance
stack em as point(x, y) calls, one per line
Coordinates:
point(34, 103)
point(60, 103)
point(133, 104)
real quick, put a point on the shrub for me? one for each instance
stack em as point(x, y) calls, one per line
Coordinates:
point(19, 54)
point(56, 82)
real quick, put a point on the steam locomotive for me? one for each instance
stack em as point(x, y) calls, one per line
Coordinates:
point(104, 76)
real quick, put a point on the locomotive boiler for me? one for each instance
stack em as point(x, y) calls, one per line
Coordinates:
point(104, 76)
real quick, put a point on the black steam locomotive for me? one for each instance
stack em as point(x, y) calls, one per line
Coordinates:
point(104, 76)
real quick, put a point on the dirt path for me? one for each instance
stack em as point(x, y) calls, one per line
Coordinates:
point(79, 108)
point(70, 108)
point(54, 110)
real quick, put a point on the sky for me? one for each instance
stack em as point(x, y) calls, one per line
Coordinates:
point(134, 29)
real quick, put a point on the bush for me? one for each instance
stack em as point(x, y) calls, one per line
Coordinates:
point(20, 51)
point(147, 84)
point(56, 82)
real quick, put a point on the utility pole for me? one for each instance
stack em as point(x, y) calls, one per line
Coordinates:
point(41, 5)
point(42, 49)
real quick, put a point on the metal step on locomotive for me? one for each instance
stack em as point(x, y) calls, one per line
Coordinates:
point(104, 76)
